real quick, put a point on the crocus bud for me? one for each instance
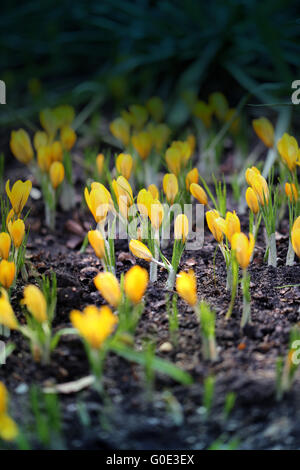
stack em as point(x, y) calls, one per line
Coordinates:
point(142, 143)
point(7, 316)
point(100, 163)
point(264, 130)
point(260, 186)
point(174, 160)
point(68, 137)
point(140, 250)
point(251, 173)
point(135, 283)
point(18, 195)
point(243, 248)
point(94, 325)
point(98, 201)
point(120, 129)
point(191, 177)
point(181, 227)
point(124, 165)
point(7, 273)
point(288, 149)
point(17, 232)
point(156, 214)
point(56, 152)
point(186, 286)
point(170, 187)
point(295, 236)
point(57, 174)
point(211, 218)
point(35, 303)
point(252, 201)
point(5, 243)
point(109, 287)
point(97, 242)
point(124, 195)
point(144, 201)
point(230, 225)
point(154, 191)
point(21, 147)
point(291, 192)
point(198, 193)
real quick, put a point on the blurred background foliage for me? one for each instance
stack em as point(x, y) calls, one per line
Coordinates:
point(121, 51)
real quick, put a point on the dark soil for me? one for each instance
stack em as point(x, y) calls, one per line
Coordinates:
point(126, 417)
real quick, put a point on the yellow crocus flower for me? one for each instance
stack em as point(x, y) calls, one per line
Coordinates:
point(264, 130)
point(7, 316)
point(295, 236)
point(142, 143)
point(230, 225)
point(40, 139)
point(135, 283)
point(198, 192)
point(94, 325)
point(251, 173)
point(17, 231)
point(288, 149)
point(49, 122)
point(98, 201)
point(191, 177)
point(68, 137)
point(211, 217)
point(109, 287)
point(44, 158)
point(8, 428)
point(21, 147)
point(57, 174)
point(170, 187)
point(5, 244)
point(181, 227)
point(120, 129)
point(144, 201)
point(124, 164)
point(252, 200)
point(154, 191)
point(100, 163)
point(56, 152)
point(291, 192)
point(18, 195)
point(7, 273)
point(260, 186)
point(140, 250)
point(243, 248)
point(156, 214)
point(186, 286)
point(124, 195)
point(97, 242)
point(35, 303)
point(174, 160)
